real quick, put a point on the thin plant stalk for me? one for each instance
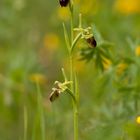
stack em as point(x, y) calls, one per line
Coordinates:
point(40, 111)
point(34, 128)
point(72, 76)
point(25, 123)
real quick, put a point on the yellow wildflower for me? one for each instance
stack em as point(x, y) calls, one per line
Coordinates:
point(127, 6)
point(38, 78)
point(138, 120)
point(106, 63)
point(121, 67)
point(137, 51)
point(63, 13)
point(51, 41)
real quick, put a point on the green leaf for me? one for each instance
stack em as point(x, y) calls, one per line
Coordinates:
point(66, 37)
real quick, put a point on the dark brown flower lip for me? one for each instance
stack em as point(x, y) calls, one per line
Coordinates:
point(54, 95)
point(64, 3)
point(91, 41)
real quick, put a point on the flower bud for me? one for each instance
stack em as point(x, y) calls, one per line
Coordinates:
point(91, 41)
point(64, 3)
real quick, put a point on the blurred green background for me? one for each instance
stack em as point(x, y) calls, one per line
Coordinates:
point(32, 47)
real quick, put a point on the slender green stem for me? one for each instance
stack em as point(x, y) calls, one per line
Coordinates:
point(71, 73)
point(34, 127)
point(41, 112)
point(70, 53)
point(76, 122)
point(136, 103)
point(64, 75)
point(76, 111)
point(71, 11)
point(80, 20)
point(75, 106)
point(25, 123)
point(75, 41)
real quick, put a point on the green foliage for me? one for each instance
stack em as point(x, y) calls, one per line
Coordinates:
point(99, 54)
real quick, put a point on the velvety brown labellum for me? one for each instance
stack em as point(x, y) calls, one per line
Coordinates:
point(91, 41)
point(64, 3)
point(54, 95)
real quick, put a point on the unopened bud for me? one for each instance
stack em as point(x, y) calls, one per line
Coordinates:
point(64, 3)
